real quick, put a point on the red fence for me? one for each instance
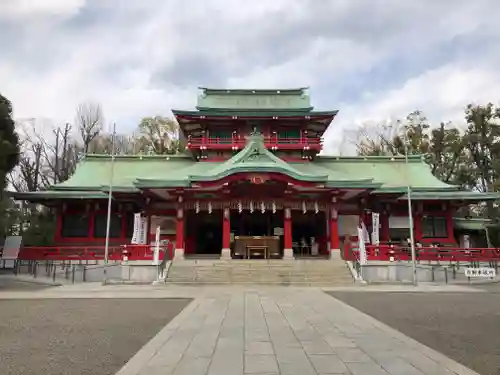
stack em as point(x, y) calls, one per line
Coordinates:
point(451, 254)
point(115, 253)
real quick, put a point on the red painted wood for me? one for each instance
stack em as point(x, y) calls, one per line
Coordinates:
point(334, 234)
point(116, 253)
point(226, 231)
point(179, 233)
point(417, 225)
point(237, 177)
point(384, 227)
point(451, 254)
point(58, 232)
point(287, 232)
point(91, 216)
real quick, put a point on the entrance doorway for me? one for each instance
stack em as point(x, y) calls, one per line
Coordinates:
point(255, 223)
point(309, 234)
point(206, 232)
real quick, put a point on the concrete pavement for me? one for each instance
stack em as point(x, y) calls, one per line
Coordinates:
point(269, 330)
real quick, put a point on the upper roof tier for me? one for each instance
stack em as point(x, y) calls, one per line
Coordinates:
point(296, 99)
point(384, 176)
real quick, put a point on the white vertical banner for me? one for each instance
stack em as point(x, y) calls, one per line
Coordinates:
point(362, 248)
point(375, 228)
point(365, 236)
point(156, 256)
point(466, 241)
point(137, 224)
point(143, 231)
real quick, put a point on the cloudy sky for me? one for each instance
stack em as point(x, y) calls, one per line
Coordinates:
point(371, 59)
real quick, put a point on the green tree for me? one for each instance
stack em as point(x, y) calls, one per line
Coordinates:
point(9, 153)
point(482, 144)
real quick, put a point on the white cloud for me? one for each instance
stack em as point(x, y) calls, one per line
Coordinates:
point(140, 58)
point(22, 9)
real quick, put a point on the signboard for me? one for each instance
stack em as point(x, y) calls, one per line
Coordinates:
point(480, 272)
point(279, 231)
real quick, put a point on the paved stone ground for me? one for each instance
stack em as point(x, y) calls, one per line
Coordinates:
point(10, 284)
point(76, 336)
point(464, 326)
point(282, 331)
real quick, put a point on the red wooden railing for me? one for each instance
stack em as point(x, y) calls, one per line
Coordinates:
point(269, 141)
point(115, 253)
point(451, 254)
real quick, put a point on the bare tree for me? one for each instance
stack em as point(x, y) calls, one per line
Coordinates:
point(89, 121)
point(372, 138)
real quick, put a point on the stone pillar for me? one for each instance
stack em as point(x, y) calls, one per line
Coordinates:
point(287, 229)
point(226, 234)
point(179, 232)
point(334, 232)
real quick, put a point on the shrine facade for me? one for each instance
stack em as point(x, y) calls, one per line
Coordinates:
point(252, 183)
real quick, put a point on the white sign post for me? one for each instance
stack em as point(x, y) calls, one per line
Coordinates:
point(156, 254)
point(362, 249)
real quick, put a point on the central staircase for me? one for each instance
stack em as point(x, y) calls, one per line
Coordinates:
point(273, 272)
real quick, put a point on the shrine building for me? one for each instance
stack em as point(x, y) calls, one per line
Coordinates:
point(252, 183)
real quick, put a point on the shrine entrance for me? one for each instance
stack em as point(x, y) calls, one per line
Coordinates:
point(206, 231)
point(309, 235)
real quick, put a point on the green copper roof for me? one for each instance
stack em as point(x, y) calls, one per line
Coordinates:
point(254, 99)
point(472, 224)
point(229, 112)
point(391, 173)
point(471, 196)
point(131, 173)
point(55, 194)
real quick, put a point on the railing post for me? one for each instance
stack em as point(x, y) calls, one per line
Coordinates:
point(84, 274)
point(35, 269)
point(54, 273)
point(446, 275)
point(73, 268)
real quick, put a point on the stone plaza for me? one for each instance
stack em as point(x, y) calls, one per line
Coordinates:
point(268, 330)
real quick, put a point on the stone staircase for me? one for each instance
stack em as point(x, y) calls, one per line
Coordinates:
point(273, 272)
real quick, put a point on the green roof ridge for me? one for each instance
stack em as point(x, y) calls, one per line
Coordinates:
point(381, 158)
point(229, 91)
point(137, 156)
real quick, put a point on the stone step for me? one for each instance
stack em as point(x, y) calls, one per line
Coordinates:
point(274, 272)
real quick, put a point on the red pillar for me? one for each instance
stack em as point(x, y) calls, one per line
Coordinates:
point(334, 231)
point(287, 233)
point(417, 225)
point(226, 233)
point(179, 231)
point(449, 224)
point(91, 218)
point(384, 227)
point(59, 224)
